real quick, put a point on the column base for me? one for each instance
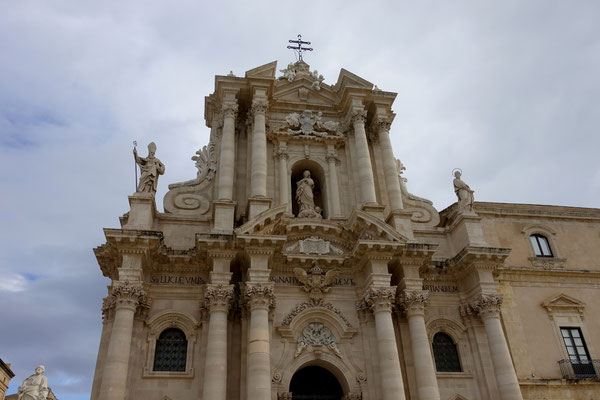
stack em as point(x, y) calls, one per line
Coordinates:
point(142, 211)
point(223, 216)
point(374, 209)
point(400, 220)
point(257, 205)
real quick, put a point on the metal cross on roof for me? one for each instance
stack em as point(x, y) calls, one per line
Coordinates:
point(299, 48)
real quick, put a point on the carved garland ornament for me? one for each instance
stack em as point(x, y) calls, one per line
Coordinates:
point(313, 303)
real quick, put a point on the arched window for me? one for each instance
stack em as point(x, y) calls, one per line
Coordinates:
point(445, 353)
point(171, 351)
point(540, 244)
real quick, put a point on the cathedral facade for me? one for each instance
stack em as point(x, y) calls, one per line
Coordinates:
point(297, 265)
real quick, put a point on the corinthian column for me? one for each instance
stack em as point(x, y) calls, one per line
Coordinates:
point(365, 171)
point(259, 298)
point(488, 307)
point(333, 183)
point(227, 155)
point(258, 176)
point(390, 169)
point(414, 305)
point(380, 300)
point(217, 300)
point(125, 299)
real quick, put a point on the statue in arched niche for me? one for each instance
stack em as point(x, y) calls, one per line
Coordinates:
point(305, 197)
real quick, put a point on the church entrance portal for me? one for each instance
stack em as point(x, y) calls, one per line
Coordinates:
point(315, 383)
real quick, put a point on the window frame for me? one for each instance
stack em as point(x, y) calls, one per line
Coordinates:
point(433, 345)
point(158, 324)
point(538, 245)
point(156, 354)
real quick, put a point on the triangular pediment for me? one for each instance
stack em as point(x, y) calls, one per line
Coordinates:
point(301, 90)
point(348, 79)
point(264, 71)
point(563, 301)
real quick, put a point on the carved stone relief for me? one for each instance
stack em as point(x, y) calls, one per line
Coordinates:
point(316, 335)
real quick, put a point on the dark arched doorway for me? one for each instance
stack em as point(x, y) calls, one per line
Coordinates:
point(315, 383)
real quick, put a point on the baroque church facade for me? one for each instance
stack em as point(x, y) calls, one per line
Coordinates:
point(296, 265)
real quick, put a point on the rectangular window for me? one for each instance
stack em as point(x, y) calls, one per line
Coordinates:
point(540, 246)
point(577, 350)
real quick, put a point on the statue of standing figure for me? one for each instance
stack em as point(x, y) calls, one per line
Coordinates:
point(305, 197)
point(150, 168)
point(35, 387)
point(464, 193)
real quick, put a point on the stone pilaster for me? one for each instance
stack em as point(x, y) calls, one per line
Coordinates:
point(380, 301)
point(363, 162)
point(488, 308)
point(382, 125)
point(259, 299)
point(125, 299)
point(334, 188)
point(217, 302)
point(414, 302)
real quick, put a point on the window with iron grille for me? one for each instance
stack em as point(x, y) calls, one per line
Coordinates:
point(445, 353)
point(541, 246)
point(171, 351)
point(577, 351)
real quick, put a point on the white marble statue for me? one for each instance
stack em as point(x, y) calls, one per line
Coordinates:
point(464, 193)
point(35, 387)
point(150, 168)
point(305, 197)
point(289, 73)
point(317, 79)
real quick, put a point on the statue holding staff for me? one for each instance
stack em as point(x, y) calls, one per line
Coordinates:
point(150, 168)
point(305, 197)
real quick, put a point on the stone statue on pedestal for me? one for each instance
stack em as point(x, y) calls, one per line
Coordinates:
point(305, 197)
point(464, 193)
point(35, 387)
point(150, 168)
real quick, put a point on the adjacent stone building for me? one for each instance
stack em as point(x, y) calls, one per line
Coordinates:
point(6, 375)
point(297, 264)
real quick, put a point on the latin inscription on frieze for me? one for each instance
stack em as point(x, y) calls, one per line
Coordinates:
point(292, 280)
point(176, 280)
point(441, 288)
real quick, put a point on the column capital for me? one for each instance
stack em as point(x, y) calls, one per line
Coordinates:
point(381, 124)
point(413, 301)
point(358, 116)
point(380, 298)
point(259, 105)
point(486, 305)
point(229, 110)
point(218, 297)
point(259, 296)
point(126, 295)
point(280, 154)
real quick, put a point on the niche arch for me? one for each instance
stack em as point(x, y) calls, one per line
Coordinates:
point(327, 361)
point(318, 175)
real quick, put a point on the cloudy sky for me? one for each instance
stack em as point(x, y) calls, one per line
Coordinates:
point(508, 91)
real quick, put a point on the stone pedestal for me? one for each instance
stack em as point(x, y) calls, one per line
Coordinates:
point(142, 211)
point(257, 205)
point(374, 209)
point(223, 216)
point(400, 220)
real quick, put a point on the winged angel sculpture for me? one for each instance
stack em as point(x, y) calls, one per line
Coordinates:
point(314, 281)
